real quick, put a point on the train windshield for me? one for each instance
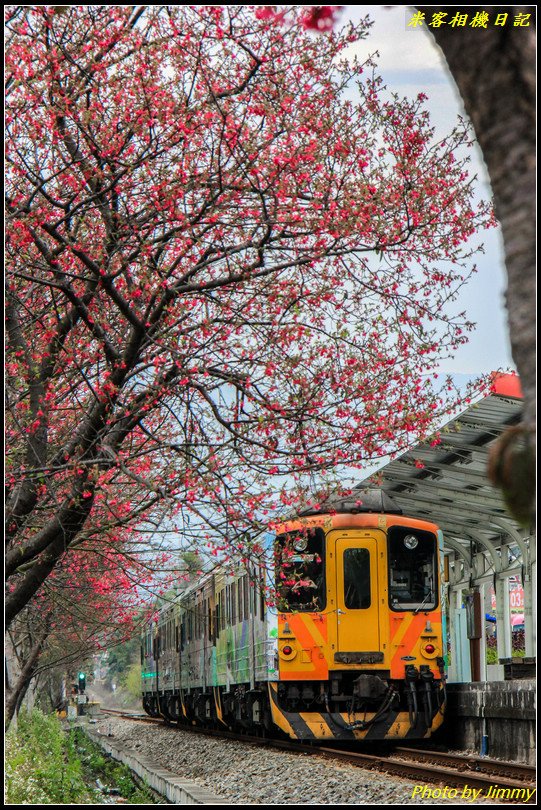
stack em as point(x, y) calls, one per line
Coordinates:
point(300, 571)
point(412, 569)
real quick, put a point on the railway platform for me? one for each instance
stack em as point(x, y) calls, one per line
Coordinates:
point(495, 718)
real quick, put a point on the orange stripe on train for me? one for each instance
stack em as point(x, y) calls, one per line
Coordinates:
point(311, 635)
point(315, 629)
point(407, 637)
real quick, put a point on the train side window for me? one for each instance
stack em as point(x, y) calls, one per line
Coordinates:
point(300, 571)
point(202, 618)
point(222, 610)
point(240, 598)
point(262, 592)
point(357, 578)
point(182, 633)
point(413, 583)
point(233, 603)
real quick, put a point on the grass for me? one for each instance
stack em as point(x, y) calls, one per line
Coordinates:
point(42, 765)
point(46, 765)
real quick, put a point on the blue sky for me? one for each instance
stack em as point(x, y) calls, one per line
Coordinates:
point(410, 62)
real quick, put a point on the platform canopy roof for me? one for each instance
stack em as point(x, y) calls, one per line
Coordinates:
point(447, 484)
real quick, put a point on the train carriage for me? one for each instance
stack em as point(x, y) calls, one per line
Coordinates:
point(352, 649)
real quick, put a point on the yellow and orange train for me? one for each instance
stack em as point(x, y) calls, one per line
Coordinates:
point(352, 648)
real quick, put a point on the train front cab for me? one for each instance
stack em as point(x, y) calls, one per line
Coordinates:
point(360, 640)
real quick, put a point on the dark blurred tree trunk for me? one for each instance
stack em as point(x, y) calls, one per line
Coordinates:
point(494, 69)
point(17, 689)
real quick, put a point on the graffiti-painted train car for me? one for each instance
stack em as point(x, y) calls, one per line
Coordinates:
point(352, 647)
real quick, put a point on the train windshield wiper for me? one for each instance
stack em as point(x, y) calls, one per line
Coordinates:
point(429, 596)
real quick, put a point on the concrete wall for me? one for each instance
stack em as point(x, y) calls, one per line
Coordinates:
point(501, 711)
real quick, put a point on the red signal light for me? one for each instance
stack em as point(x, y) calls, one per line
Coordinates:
point(430, 649)
point(287, 650)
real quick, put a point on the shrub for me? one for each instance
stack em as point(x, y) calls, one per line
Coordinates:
point(133, 681)
point(42, 766)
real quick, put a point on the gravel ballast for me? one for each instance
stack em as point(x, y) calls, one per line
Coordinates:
point(246, 774)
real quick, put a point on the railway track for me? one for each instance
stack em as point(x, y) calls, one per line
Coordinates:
point(484, 765)
point(489, 778)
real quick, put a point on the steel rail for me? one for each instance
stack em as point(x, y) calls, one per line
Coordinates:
point(471, 762)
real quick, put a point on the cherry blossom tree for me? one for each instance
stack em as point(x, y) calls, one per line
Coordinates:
point(224, 278)
point(87, 604)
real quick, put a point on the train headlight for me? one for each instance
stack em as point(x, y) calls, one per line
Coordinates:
point(411, 542)
point(300, 544)
point(287, 652)
point(429, 650)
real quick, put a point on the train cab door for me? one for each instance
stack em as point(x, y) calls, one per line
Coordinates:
point(358, 626)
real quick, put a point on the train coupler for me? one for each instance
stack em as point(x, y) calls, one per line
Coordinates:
point(412, 675)
point(427, 678)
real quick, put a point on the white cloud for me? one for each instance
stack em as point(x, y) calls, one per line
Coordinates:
point(400, 48)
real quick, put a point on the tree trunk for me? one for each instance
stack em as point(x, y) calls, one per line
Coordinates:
point(15, 694)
